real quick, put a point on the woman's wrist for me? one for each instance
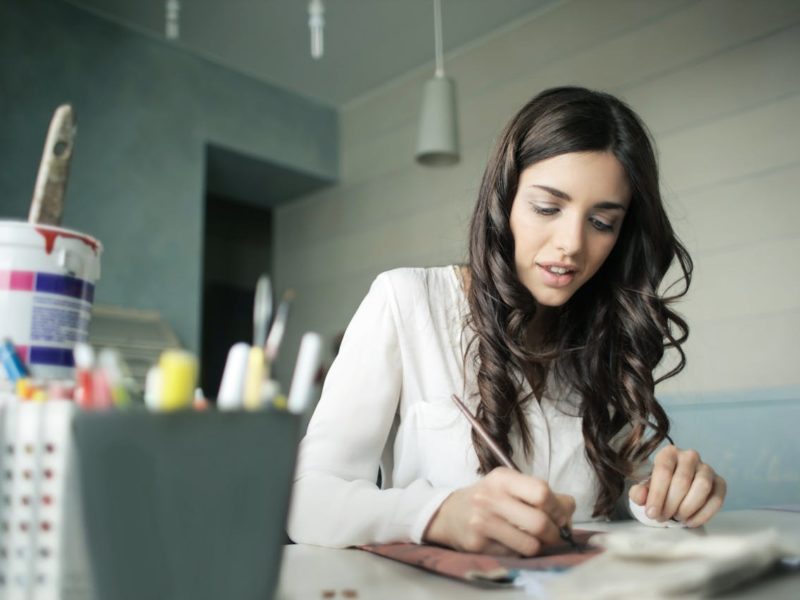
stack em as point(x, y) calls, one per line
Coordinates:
point(436, 530)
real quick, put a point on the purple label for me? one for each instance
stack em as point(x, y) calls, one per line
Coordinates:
point(65, 286)
point(49, 283)
point(42, 355)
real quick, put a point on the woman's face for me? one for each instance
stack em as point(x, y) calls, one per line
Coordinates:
point(565, 220)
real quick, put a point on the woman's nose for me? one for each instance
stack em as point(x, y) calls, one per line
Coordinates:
point(569, 236)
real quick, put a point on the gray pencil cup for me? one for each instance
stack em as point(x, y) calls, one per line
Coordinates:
point(185, 506)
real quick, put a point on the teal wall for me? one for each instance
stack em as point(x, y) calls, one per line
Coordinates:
point(145, 111)
point(750, 437)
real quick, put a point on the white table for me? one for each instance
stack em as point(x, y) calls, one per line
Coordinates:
point(309, 571)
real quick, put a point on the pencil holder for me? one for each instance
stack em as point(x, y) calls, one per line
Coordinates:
point(187, 505)
point(42, 550)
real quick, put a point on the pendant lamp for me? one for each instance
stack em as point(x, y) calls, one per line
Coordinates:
point(316, 22)
point(437, 141)
point(172, 25)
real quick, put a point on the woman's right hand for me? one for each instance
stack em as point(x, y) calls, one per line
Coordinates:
point(505, 512)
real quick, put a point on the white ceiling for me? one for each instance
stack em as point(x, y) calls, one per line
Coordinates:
point(367, 42)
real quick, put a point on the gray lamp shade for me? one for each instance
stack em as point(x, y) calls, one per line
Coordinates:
point(437, 142)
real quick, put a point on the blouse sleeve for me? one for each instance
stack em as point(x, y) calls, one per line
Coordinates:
point(335, 500)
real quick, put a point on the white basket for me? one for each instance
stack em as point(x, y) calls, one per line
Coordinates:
point(42, 548)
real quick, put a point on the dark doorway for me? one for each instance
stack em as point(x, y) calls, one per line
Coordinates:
point(238, 248)
point(241, 193)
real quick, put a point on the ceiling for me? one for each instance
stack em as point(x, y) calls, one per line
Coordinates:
point(367, 42)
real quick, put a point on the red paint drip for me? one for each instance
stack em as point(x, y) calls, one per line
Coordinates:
point(50, 236)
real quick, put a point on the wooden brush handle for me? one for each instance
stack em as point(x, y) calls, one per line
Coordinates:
point(47, 205)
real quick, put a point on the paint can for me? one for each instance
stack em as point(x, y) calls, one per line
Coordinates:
point(47, 281)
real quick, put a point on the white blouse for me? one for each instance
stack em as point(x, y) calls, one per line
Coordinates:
point(387, 402)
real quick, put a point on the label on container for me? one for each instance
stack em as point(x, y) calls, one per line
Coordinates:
point(45, 314)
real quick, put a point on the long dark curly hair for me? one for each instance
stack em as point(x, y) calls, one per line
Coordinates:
point(605, 342)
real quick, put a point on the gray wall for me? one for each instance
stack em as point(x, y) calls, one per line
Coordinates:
point(146, 111)
point(719, 85)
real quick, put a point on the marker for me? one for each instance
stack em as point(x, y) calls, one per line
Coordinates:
point(200, 402)
point(61, 390)
point(84, 363)
point(25, 388)
point(305, 373)
point(231, 390)
point(114, 369)
point(178, 379)
point(12, 363)
point(254, 379)
point(152, 389)
point(101, 390)
point(270, 391)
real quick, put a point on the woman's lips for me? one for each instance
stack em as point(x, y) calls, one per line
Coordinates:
point(556, 280)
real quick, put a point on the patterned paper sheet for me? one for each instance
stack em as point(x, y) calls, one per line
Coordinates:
point(483, 568)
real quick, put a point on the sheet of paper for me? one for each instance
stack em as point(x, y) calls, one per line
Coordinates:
point(661, 563)
point(487, 569)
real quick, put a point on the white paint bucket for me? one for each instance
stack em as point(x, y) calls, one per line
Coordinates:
point(47, 277)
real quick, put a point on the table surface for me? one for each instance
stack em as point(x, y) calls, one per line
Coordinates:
point(311, 572)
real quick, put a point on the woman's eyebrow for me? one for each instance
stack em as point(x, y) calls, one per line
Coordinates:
point(606, 204)
point(553, 191)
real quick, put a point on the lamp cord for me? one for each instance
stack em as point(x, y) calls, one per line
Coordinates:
point(437, 28)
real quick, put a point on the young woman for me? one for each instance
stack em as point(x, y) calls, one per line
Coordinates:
point(550, 335)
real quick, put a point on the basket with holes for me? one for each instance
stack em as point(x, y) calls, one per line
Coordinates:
point(42, 548)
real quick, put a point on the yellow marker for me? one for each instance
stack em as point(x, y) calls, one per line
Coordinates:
point(116, 373)
point(24, 388)
point(178, 379)
point(254, 379)
point(269, 390)
point(280, 402)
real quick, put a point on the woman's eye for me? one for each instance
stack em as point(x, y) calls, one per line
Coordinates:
point(545, 210)
point(601, 225)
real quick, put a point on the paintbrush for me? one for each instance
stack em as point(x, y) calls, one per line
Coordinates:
point(47, 205)
point(564, 532)
point(262, 311)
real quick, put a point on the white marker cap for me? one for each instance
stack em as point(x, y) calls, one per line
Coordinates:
point(305, 372)
point(231, 390)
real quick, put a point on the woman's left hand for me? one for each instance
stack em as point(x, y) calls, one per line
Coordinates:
point(681, 487)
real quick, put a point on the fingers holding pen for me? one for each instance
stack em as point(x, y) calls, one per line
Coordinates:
point(538, 494)
point(486, 530)
point(534, 507)
point(534, 522)
point(505, 512)
point(527, 514)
